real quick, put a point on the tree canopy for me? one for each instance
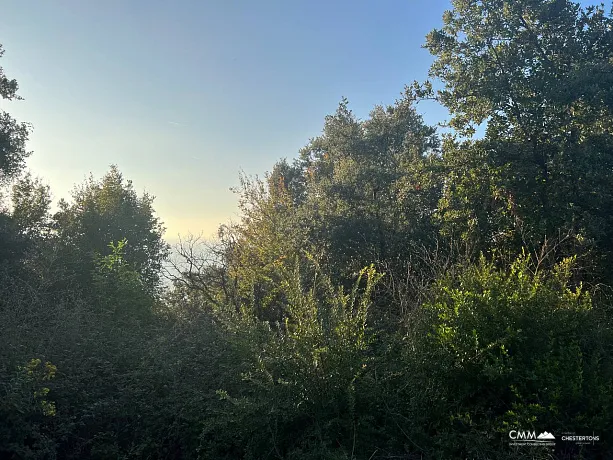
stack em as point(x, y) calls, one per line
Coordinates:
point(13, 135)
point(391, 291)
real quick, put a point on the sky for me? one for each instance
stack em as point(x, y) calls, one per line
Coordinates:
point(182, 96)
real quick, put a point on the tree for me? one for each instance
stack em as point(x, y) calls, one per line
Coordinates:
point(31, 201)
point(107, 211)
point(373, 182)
point(13, 135)
point(270, 234)
point(539, 73)
point(363, 192)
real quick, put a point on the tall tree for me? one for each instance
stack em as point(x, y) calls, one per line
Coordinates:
point(31, 201)
point(107, 211)
point(372, 186)
point(540, 74)
point(13, 134)
point(362, 192)
point(13, 137)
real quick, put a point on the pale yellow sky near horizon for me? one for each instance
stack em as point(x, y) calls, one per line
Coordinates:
point(204, 217)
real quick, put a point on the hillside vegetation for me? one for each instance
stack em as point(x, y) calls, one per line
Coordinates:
point(390, 292)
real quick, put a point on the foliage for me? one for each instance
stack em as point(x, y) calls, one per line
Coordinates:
point(300, 392)
point(496, 350)
point(25, 410)
point(364, 192)
point(31, 201)
point(106, 211)
point(539, 74)
point(371, 186)
point(485, 304)
point(13, 135)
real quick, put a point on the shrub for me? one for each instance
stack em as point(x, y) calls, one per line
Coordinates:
point(496, 350)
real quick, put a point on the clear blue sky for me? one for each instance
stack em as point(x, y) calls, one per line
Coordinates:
point(183, 95)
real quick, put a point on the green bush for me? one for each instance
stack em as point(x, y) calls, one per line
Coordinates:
point(496, 350)
point(26, 410)
point(298, 395)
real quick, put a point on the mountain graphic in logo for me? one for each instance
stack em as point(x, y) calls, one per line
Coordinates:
point(545, 435)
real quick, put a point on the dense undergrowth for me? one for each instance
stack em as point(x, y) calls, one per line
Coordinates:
point(390, 293)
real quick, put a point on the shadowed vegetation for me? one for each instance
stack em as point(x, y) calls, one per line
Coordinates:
point(391, 292)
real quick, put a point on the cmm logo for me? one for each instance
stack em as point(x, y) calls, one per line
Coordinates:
point(529, 438)
point(522, 435)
